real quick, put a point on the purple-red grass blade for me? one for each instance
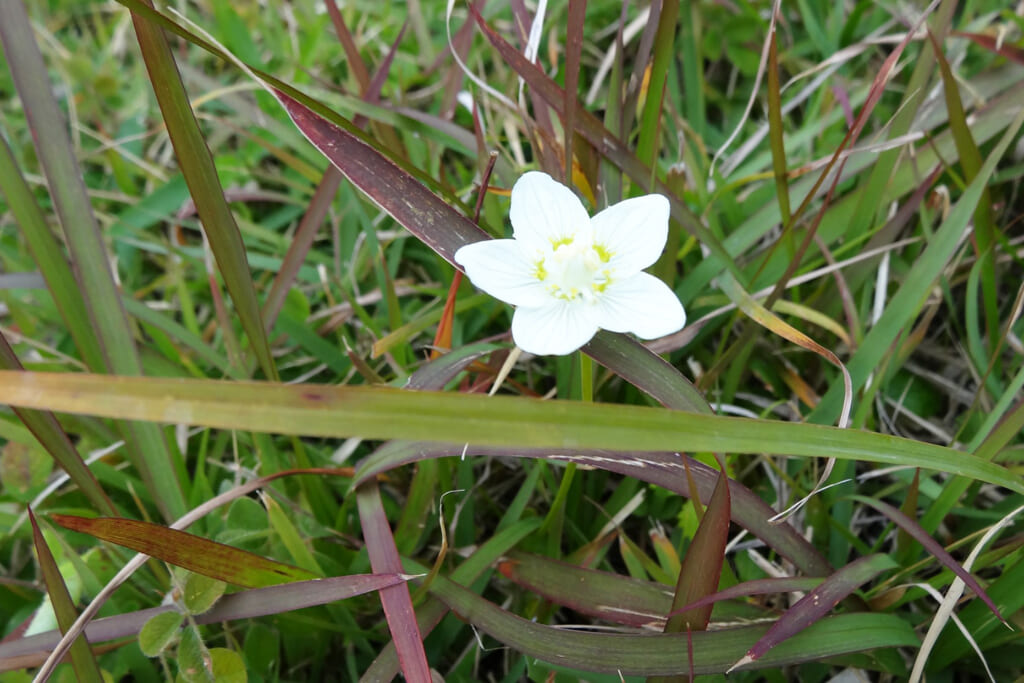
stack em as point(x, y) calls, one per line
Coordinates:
point(664, 469)
point(813, 607)
point(397, 603)
point(429, 614)
point(189, 551)
point(917, 532)
point(407, 200)
point(249, 604)
point(758, 587)
point(82, 659)
point(992, 43)
point(702, 566)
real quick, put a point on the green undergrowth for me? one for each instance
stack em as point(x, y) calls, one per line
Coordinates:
point(216, 193)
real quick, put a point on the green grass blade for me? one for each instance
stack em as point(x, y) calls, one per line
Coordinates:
point(344, 411)
point(49, 258)
point(666, 654)
point(82, 659)
point(204, 186)
point(906, 303)
point(650, 122)
point(145, 443)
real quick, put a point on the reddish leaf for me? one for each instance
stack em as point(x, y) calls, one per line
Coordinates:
point(189, 551)
point(702, 566)
point(397, 603)
point(814, 606)
point(1008, 50)
point(917, 532)
point(758, 587)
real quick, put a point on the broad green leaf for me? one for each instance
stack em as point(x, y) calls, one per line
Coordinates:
point(159, 632)
point(201, 592)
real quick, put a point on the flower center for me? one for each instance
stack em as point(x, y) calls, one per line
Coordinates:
point(575, 269)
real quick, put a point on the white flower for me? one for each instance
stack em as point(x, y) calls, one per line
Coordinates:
point(569, 274)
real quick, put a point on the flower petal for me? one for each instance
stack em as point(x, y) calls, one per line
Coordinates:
point(545, 211)
point(643, 305)
point(553, 330)
point(634, 231)
point(500, 268)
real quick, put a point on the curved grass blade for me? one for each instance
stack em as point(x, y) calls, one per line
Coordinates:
point(433, 375)
point(344, 411)
point(182, 549)
point(647, 371)
point(666, 654)
point(759, 587)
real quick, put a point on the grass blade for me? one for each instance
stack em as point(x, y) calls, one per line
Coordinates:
point(666, 654)
point(49, 258)
point(662, 469)
point(815, 605)
point(204, 186)
point(396, 600)
point(343, 411)
point(146, 445)
point(189, 551)
point(82, 659)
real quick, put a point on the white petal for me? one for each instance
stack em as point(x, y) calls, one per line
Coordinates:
point(553, 330)
point(500, 268)
point(643, 305)
point(544, 211)
point(634, 231)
